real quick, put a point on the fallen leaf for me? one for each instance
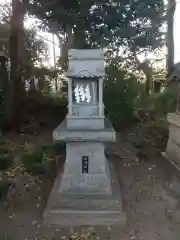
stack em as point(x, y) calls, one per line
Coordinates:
point(109, 229)
point(34, 222)
point(132, 237)
point(64, 237)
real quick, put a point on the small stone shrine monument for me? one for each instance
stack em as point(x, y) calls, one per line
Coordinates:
point(87, 193)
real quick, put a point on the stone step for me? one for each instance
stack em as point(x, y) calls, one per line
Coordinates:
point(88, 218)
point(88, 204)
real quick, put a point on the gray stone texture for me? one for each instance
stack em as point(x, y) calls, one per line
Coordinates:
point(84, 110)
point(173, 145)
point(85, 123)
point(107, 134)
point(68, 209)
point(96, 181)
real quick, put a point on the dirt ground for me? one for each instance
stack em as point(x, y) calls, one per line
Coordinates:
point(150, 189)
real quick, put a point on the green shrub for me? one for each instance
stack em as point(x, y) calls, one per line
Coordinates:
point(120, 93)
point(5, 162)
point(59, 147)
point(152, 136)
point(162, 102)
point(55, 151)
point(39, 160)
point(6, 158)
point(4, 187)
point(33, 161)
point(165, 101)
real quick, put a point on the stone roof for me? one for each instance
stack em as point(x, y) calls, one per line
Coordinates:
point(86, 63)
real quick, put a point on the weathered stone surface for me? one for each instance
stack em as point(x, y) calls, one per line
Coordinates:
point(86, 63)
point(173, 146)
point(85, 123)
point(174, 119)
point(73, 209)
point(173, 151)
point(96, 181)
point(174, 133)
point(107, 134)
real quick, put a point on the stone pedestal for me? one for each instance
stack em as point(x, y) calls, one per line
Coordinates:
point(173, 146)
point(91, 198)
point(97, 180)
point(88, 192)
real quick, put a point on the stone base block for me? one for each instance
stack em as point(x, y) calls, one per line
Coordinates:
point(85, 210)
point(173, 153)
point(62, 133)
point(96, 177)
point(173, 145)
point(85, 123)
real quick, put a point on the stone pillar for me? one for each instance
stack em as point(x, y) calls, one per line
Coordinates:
point(69, 97)
point(101, 105)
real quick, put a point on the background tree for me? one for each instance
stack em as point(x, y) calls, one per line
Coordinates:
point(24, 50)
point(127, 27)
point(129, 30)
point(16, 90)
point(33, 46)
point(171, 7)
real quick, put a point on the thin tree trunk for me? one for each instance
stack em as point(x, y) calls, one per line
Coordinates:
point(17, 91)
point(79, 37)
point(149, 82)
point(147, 70)
point(170, 34)
point(5, 88)
point(68, 43)
point(54, 56)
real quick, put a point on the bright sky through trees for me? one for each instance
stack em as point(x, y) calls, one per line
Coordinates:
point(176, 35)
point(177, 32)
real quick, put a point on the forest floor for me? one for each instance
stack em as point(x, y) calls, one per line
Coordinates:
point(150, 189)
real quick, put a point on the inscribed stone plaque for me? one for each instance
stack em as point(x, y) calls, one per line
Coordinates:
point(85, 164)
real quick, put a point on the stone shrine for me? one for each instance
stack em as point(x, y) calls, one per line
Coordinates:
point(87, 193)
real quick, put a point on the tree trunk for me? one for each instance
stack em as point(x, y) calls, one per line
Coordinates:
point(54, 56)
point(170, 34)
point(79, 37)
point(17, 91)
point(149, 82)
point(4, 83)
point(147, 70)
point(68, 43)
